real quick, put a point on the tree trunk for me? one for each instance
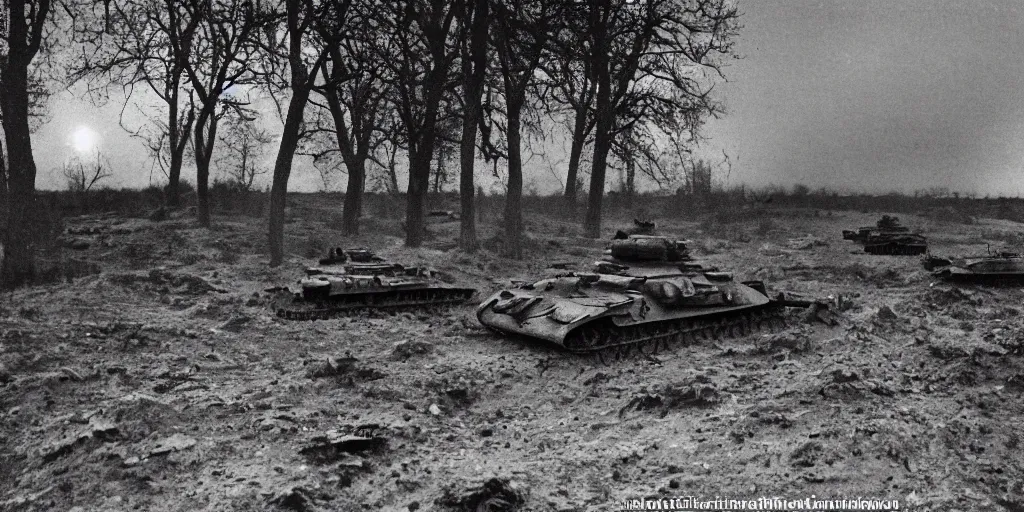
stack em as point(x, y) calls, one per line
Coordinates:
point(392, 173)
point(630, 191)
point(172, 193)
point(579, 139)
point(602, 137)
point(353, 198)
point(355, 162)
point(473, 81)
point(438, 172)
point(467, 156)
point(514, 196)
point(420, 154)
point(4, 205)
point(19, 262)
point(419, 182)
point(177, 138)
point(205, 136)
point(282, 171)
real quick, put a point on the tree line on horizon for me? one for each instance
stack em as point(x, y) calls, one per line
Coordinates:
point(361, 82)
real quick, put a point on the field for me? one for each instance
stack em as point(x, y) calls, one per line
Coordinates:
point(165, 381)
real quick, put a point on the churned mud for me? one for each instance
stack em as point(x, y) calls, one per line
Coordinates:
point(159, 378)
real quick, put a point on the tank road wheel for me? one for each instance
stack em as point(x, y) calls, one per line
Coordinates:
point(623, 351)
point(660, 338)
point(675, 333)
point(668, 335)
point(663, 337)
point(688, 336)
point(708, 333)
point(736, 331)
point(588, 339)
point(646, 343)
point(650, 348)
point(716, 329)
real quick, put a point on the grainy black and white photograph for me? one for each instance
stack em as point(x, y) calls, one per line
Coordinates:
point(511, 255)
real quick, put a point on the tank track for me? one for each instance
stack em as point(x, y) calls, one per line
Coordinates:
point(349, 304)
point(997, 281)
point(895, 249)
point(605, 339)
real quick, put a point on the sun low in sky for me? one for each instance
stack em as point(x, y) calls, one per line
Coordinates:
point(84, 139)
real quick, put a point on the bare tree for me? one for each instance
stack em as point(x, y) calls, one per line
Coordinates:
point(448, 139)
point(26, 20)
point(244, 143)
point(38, 94)
point(521, 32)
point(385, 156)
point(228, 41)
point(638, 44)
point(417, 47)
point(473, 47)
point(570, 82)
point(355, 88)
point(144, 43)
point(303, 68)
point(81, 175)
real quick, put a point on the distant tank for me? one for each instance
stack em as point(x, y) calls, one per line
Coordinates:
point(886, 225)
point(1003, 268)
point(888, 236)
point(644, 295)
point(358, 280)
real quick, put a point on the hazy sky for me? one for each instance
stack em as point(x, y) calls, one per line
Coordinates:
point(878, 95)
point(867, 95)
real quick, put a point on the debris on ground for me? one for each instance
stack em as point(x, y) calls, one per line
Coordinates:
point(492, 495)
point(171, 444)
point(408, 348)
point(334, 445)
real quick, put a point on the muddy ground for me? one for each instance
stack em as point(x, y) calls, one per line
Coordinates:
point(165, 382)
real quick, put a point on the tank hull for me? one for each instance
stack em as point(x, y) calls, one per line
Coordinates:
point(1005, 270)
point(897, 247)
point(366, 286)
point(590, 318)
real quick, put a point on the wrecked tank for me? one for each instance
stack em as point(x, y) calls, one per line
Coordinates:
point(645, 295)
point(1002, 268)
point(886, 225)
point(888, 236)
point(357, 280)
